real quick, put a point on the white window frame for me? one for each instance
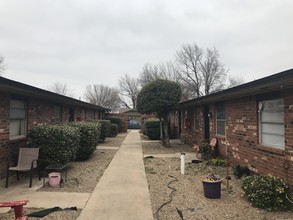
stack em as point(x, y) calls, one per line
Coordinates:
point(57, 113)
point(196, 119)
point(18, 119)
point(220, 118)
point(271, 123)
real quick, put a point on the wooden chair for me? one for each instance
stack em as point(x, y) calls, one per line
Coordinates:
point(27, 161)
point(18, 208)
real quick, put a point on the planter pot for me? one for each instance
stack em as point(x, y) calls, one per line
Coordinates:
point(54, 179)
point(212, 190)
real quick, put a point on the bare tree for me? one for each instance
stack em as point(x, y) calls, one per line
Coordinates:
point(235, 81)
point(213, 72)
point(187, 59)
point(166, 71)
point(60, 88)
point(2, 64)
point(104, 96)
point(149, 74)
point(129, 87)
point(201, 70)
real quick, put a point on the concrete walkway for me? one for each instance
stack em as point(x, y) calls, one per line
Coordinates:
point(40, 199)
point(122, 192)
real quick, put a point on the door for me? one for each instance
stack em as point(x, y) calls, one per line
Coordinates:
point(71, 114)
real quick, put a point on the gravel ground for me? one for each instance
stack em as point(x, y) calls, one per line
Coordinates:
point(82, 177)
point(189, 196)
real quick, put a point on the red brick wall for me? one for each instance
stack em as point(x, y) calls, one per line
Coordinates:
point(242, 138)
point(194, 134)
point(4, 132)
point(38, 111)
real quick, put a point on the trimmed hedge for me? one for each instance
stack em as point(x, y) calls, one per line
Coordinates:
point(113, 130)
point(105, 129)
point(58, 143)
point(152, 129)
point(115, 120)
point(89, 138)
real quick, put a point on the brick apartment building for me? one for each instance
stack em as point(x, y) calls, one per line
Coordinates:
point(23, 106)
point(253, 124)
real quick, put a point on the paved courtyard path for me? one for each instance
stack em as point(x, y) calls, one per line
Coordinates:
point(122, 192)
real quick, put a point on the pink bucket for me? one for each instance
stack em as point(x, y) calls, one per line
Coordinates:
point(54, 179)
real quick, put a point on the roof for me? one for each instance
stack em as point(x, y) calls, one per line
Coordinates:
point(17, 88)
point(279, 81)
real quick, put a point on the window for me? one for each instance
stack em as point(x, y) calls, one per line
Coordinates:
point(220, 119)
point(17, 128)
point(57, 114)
point(196, 119)
point(271, 123)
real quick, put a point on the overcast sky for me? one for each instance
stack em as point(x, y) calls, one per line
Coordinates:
point(83, 42)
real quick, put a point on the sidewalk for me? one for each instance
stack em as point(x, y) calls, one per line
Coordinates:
point(40, 199)
point(122, 192)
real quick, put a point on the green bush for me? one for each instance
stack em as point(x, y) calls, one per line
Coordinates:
point(206, 150)
point(115, 120)
point(152, 129)
point(105, 129)
point(113, 130)
point(58, 143)
point(266, 192)
point(89, 138)
point(239, 171)
point(218, 162)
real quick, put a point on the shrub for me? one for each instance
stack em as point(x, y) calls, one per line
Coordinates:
point(206, 150)
point(218, 162)
point(105, 129)
point(266, 192)
point(89, 138)
point(113, 130)
point(152, 129)
point(240, 171)
point(58, 143)
point(115, 120)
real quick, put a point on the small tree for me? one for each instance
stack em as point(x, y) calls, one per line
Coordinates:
point(159, 97)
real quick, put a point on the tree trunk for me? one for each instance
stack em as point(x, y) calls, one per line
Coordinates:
point(161, 130)
point(166, 140)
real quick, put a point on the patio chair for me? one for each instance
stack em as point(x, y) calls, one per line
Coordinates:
point(17, 206)
point(27, 161)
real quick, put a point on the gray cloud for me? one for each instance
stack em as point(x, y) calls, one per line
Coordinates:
point(82, 42)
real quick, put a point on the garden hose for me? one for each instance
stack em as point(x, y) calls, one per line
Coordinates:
point(289, 198)
point(171, 197)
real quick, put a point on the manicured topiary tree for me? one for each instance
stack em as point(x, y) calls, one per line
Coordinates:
point(159, 97)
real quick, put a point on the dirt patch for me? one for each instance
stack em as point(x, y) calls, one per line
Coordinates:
point(189, 196)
